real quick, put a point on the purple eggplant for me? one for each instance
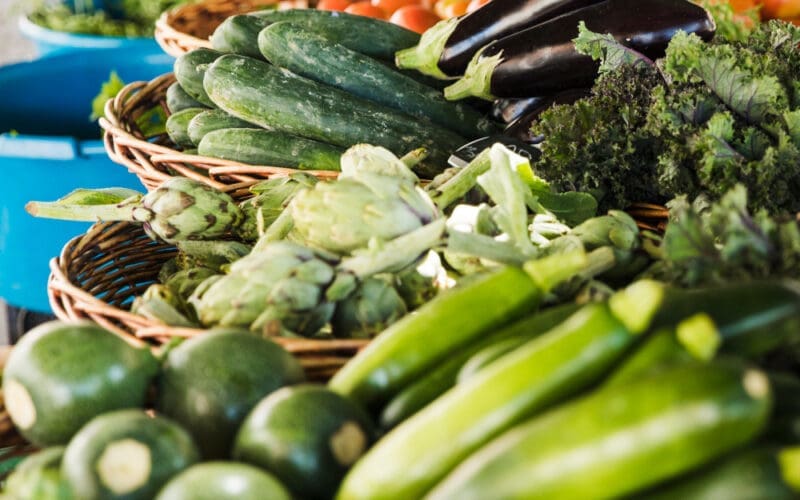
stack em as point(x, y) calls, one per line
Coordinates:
point(542, 59)
point(445, 50)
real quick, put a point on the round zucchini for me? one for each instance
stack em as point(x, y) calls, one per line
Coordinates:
point(59, 376)
point(126, 454)
point(308, 436)
point(209, 384)
point(38, 477)
point(223, 481)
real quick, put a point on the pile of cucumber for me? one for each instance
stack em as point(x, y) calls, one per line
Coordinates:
point(295, 88)
point(227, 414)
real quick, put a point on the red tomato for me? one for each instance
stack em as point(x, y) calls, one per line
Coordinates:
point(743, 5)
point(365, 8)
point(414, 17)
point(332, 4)
point(450, 8)
point(476, 4)
point(389, 6)
point(780, 9)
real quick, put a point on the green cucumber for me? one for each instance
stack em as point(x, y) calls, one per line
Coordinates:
point(545, 371)
point(257, 146)
point(427, 388)
point(178, 99)
point(368, 36)
point(209, 384)
point(38, 477)
point(223, 480)
point(308, 436)
point(178, 126)
point(189, 70)
point(210, 120)
point(310, 55)
point(753, 474)
point(618, 441)
point(61, 375)
point(275, 98)
point(126, 454)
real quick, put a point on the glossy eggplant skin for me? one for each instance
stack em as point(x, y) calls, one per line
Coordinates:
point(520, 127)
point(495, 20)
point(542, 59)
point(507, 110)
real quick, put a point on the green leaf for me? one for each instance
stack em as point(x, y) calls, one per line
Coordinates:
point(605, 48)
point(792, 119)
point(108, 90)
point(104, 196)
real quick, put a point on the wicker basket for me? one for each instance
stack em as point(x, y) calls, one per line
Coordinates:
point(189, 26)
point(153, 158)
point(99, 273)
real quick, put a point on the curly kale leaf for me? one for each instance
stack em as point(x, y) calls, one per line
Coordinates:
point(605, 48)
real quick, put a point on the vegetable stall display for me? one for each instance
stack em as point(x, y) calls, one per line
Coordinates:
point(527, 334)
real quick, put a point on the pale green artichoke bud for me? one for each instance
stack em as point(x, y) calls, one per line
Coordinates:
point(214, 255)
point(280, 288)
point(185, 209)
point(418, 284)
point(373, 306)
point(184, 282)
point(366, 158)
point(159, 303)
point(271, 198)
point(345, 215)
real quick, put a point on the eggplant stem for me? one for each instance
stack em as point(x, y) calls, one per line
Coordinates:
point(424, 57)
point(477, 80)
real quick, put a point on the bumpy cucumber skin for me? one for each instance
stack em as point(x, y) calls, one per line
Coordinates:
point(275, 98)
point(178, 99)
point(618, 441)
point(543, 372)
point(310, 55)
point(210, 383)
point(189, 71)
point(171, 451)
point(239, 35)
point(366, 35)
point(178, 126)
point(210, 120)
point(270, 148)
point(73, 372)
point(394, 358)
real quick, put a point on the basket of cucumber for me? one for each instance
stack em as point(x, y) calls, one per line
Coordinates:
point(188, 26)
point(99, 274)
point(132, 140)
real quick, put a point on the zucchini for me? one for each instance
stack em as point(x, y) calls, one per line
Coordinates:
point(178, 126)
point(368, 36)
point(618, 441)
point(258, 146)
point(308, 436)
point(126, 454)
point(658, 352)
point(209, 384)
point(189, 70)
point(310, 55)
point(784, 426)
point(223, 480)
point(61, 375)
point(178, 99)
point(486, 356)
point(754, 474)
point(427, 388)
point(417, 454)
point(210, 120)
point(38, 477)
point(275, 98)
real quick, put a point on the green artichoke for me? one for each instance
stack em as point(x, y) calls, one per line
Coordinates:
point(278, 289)
point(214, 255)
point(373, 306)
point(179, 209)
point(271, 198)
point(161, 304)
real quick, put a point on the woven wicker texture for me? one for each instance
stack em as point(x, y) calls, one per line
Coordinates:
point(98, 274)
point(153, 158)
point(189, 26)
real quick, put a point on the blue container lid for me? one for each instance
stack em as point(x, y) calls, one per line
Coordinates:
point(50, 42)
point(57, 149)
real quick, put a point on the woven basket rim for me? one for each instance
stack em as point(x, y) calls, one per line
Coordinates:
point(70, 302)
point(149, 158)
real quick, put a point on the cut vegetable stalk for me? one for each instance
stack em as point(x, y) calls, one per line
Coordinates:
point(462, 182)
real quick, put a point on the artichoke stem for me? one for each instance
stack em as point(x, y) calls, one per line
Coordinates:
point(414, 157)
point(400, 250)
point(89, 213)
point(460, 184)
